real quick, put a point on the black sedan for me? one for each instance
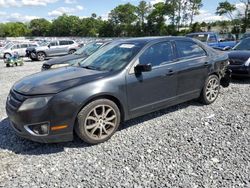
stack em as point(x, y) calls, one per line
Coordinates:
point(123, 80)
point(76, 57)
point(239, 58)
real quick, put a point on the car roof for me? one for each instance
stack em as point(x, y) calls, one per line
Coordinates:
point(144, 40)
point(201, 33)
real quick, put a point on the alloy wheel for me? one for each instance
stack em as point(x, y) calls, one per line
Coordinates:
point(212, 89)
point(100, 122)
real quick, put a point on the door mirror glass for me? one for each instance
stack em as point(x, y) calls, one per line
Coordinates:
point(143, 68)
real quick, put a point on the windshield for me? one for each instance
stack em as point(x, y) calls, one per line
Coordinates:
point(201, 37)
point(43, 43)
point(243, 45)
point(112, 57)
point(89, 49)
point(9, 45)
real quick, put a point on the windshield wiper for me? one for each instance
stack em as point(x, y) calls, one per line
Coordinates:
point(89, 67)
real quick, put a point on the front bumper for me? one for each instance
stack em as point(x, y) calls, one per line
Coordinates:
point(19, 121)
point(64, 137)
point(240, 70)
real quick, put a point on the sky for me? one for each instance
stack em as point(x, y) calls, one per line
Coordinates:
point(26, 10)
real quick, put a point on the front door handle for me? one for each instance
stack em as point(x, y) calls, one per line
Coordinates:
point(170, 72)
point(206, 64)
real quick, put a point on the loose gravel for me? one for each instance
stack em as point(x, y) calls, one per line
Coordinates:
point(188, 145)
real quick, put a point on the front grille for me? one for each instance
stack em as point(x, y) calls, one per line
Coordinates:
point(15, 100)
point(236, 62)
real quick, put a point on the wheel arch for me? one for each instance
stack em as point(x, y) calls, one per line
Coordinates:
point(109, 97)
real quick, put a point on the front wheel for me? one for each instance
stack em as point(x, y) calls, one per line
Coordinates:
point(41, 56)
point(210, 90)
point(98, 121)
point(72, 51)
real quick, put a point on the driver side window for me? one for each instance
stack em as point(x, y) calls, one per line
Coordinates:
point(157, 54)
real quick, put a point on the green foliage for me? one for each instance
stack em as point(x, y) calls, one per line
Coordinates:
point(171, 17)
point(40, 27)
point(14, 29)
point(226, 8)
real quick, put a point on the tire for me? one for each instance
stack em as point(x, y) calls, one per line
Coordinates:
point(41, 56)
point(210, 91)
point(98, 121)
point(7, 55)
point(72, 51)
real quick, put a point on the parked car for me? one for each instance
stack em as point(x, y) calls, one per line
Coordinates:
point(29, 50)
point(246, 35)
point(54, 48)
point(239, 58)
point(19, 47)
point(212, 39)
point(76, 57)
point(123, 80)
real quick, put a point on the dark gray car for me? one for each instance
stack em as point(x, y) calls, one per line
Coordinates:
point(123, 80)
point(76, 57)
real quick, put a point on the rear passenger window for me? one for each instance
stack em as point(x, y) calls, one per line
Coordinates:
point(157, 54)
point(15, 46)
point(188, 49)
point(61, 43)
point(24, 45)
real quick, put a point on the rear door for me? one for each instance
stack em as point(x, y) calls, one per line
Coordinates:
point(151, 90)
point(63, 47)
point(193, 65)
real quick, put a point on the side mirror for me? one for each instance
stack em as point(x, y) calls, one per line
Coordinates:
point(49, 46)
point(143, 68)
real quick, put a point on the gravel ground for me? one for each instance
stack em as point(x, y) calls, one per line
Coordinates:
point(188, 145)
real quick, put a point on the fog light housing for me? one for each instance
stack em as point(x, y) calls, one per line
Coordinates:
point(38, 129)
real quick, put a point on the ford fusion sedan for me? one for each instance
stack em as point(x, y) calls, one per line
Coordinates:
point(123, 80)
point(76, 57)
point(239, 58)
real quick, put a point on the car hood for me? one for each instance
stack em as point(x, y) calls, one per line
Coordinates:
point(240, 55)
point(64, 59)
point(55, 81)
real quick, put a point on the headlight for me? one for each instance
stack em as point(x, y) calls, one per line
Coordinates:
point(59, 65)
point(248, 62)
point(34, 103)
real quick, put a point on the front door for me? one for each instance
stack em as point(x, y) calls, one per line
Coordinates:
point(149, 91)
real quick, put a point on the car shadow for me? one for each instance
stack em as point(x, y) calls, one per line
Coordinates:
point(11, 142)
point(240, 80)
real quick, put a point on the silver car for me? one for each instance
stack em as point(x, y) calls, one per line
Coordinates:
point(19, 48)
point(54, 48)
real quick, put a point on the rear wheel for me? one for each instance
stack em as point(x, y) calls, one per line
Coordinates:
point(41, 56)
point(98, 121)
point(210, 90)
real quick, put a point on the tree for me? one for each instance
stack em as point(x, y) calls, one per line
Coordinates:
point(246, 18)
point(156, 19)
point(15, 29)
point(226, 8)
point(142, 11)
point(123, 17)
point(194, 7)
point(40, 27)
